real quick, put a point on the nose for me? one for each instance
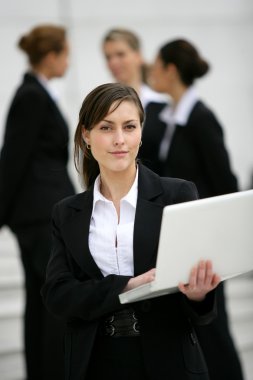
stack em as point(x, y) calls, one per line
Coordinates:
point(119, 138)
point(112, 62)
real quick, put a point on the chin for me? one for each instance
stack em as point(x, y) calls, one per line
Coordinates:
point(121, 168)
point(120, 79)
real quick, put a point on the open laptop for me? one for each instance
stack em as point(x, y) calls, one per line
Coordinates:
point(218, 228)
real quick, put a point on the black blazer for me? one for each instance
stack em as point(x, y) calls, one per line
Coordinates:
point(33, 162)
point(152, 134)
point(197, 153)
point(76, 290)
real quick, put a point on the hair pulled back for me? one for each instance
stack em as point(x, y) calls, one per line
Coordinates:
point(186, 58)
point(96, 105)
point(41, 40)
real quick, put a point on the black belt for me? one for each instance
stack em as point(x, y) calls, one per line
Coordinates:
point(121, 323)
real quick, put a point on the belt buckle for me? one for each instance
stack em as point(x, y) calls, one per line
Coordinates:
point(109, 327)
point(122, 325)
point(136, 327)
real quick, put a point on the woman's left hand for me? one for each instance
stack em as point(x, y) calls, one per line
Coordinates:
point(202, 280)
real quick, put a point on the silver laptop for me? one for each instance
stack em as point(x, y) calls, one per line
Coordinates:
point(218, 228)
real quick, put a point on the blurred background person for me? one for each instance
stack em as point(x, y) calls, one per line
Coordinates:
point(33, 176)
point(193, 148)
point(122, 51)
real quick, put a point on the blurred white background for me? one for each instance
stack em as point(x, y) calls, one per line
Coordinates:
point(221, 29)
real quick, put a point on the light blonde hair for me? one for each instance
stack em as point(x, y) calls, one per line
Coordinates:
point(132, 40)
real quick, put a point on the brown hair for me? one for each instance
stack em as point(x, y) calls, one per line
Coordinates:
point(95, 107)
point(186, 58)
point(41, 40)
point(132, 40)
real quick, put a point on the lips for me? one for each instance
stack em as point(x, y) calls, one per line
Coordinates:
point(119, 153)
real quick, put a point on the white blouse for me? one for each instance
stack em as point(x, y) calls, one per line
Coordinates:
point(110, 240)
point(176, 116)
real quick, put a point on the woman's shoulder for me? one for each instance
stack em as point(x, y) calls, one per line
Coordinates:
point(201, 112)
point(174, 190)
point(178, 189)
point(69, 206)
point(174, 181)
point(75, 201)
point(154, 177)
point(30, 89)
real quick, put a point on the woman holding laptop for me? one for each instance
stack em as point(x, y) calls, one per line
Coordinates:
point(101, 248)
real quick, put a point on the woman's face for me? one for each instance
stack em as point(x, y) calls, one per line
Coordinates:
point(115, 140)
point(159, 76)
point(59, 62)
point(123, 61)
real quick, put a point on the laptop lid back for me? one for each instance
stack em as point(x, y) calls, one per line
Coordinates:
point(218, 228)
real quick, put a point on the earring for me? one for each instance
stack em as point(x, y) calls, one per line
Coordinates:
point(88, 146)
point(140, 144)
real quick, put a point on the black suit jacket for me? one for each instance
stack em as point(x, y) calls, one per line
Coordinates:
point(152, 134)
point(76, 290)
point(33, 162)
point(197, 153)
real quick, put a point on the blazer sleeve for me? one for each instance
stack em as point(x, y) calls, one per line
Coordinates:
point(24, 122)
point(209, 137)
point(68, 297)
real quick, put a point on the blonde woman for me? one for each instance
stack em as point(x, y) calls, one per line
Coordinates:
point(124, 58)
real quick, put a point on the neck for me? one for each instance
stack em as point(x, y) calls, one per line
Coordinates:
point(40, 70)
point(177, 92)
point(135, 83)
point(114, 185)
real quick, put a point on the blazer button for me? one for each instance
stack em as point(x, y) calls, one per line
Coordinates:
point(146, 306)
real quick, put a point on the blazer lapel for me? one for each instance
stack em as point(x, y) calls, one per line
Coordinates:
point(148, 217)
point(76, 232)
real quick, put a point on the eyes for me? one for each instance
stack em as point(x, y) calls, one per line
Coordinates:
point(108, 128)
point(119, 54)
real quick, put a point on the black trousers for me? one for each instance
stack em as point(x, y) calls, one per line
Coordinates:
point(222, 358)
point(117, 359)
point(43, 333)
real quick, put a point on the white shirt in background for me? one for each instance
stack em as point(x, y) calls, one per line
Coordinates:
point(147, 95)
point(45, 83)
point(178, 115)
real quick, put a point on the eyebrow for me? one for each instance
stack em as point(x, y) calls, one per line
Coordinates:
point(125, 122)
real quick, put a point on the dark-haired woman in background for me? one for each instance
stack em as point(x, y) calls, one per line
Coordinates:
point(33, 176)
point(193, 148)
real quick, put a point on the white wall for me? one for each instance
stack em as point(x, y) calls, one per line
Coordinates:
point(221, 29)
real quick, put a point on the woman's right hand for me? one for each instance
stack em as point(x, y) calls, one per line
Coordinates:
point(142, 279)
